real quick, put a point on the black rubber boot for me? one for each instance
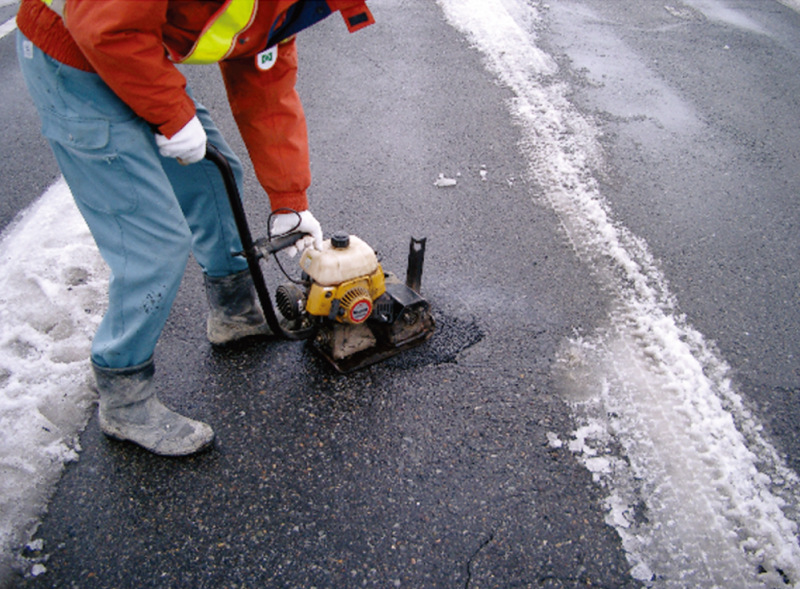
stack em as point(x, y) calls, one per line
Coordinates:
point(129, 410)
point(235, 310)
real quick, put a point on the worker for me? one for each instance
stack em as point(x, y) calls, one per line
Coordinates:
point(130, 139)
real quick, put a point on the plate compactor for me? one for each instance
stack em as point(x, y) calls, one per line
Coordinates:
point(353, 312)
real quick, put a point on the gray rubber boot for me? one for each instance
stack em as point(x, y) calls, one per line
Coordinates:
point(129, 410)
point(235, 310)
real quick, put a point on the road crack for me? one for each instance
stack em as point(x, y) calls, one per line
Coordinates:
point(483, 545)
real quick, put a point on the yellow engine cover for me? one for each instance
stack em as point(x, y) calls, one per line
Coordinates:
point(355, 298)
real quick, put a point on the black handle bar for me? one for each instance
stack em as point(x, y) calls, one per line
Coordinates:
point(254, 251)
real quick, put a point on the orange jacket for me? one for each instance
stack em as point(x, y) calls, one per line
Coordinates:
point(124, 42)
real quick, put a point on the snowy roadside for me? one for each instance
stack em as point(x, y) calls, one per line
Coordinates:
point(52, 294)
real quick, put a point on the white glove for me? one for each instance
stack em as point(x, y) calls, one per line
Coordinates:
point(187, 145)
point(303, 222)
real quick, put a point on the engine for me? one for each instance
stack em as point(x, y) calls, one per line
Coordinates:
point(360, 313)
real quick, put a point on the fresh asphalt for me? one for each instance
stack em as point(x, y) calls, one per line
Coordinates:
point(430, 470)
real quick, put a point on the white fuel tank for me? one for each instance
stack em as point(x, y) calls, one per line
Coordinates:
point(343, 257)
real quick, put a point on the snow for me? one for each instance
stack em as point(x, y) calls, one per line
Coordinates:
point(553, 440)
point(697, 495)
point(52, 292)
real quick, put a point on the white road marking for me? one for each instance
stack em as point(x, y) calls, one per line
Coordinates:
point(8, 27)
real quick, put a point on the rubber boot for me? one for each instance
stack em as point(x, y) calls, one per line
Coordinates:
point(129, 410)
point(235, 310)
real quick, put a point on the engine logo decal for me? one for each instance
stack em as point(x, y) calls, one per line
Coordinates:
point(360, 311)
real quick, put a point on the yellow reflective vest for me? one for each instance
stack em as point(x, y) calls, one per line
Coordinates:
point(219, 37)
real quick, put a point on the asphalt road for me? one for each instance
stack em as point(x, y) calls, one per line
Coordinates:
point(27, 167)
point(434, 469)
point(431, 470)
point(698, 105)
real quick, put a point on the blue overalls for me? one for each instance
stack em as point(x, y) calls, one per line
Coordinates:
point(146, 213)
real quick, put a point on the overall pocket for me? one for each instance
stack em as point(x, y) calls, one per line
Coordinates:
point(95, 172)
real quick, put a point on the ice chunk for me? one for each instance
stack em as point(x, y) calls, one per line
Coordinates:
point(442, 182)
point(553, 441)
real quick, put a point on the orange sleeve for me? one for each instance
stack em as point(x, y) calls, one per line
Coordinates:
point(122, 40)
point(270, 118)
